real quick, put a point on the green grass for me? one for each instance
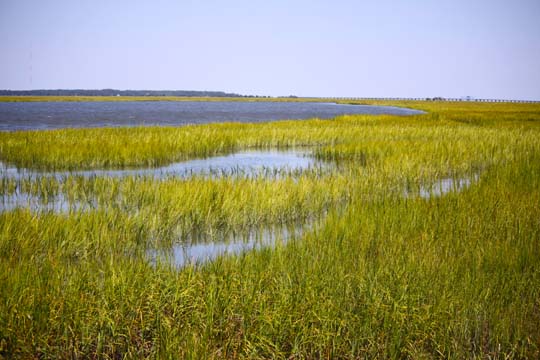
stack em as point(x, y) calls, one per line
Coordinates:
point(382, 276)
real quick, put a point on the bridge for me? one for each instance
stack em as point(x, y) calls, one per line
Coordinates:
point(431, 99)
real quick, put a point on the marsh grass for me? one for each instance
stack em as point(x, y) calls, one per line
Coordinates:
point(383, 276)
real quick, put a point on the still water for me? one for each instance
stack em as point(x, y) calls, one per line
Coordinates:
point(244, 163)
point(54, 115)
point(200, 250)
point(269, 163)
point(184, 254)
point(197, 253)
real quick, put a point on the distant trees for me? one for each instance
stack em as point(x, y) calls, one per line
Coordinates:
point(114, 92)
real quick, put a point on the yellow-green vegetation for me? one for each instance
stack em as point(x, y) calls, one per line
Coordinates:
point(385, 273)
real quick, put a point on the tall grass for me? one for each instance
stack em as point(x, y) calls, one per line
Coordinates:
point(386, 275)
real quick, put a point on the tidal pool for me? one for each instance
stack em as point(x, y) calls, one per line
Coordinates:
point(57, 204)
point(442, 187)
point(244, 163)
point(445, 186)
point(209, 247)
point(183, 254)
point(267, 163)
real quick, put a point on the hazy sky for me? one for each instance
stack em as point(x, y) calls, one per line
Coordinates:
point(419, 48)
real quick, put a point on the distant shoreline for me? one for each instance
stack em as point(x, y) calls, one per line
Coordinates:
point(340, 100)
point(73, 98)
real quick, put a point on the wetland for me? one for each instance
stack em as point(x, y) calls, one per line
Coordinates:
point(356, 236)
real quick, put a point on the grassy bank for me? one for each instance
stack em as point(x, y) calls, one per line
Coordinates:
point(386, 273)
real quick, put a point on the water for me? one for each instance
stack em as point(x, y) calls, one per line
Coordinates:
point(57, 204)
point(182, 254)
point(445, 186)
point(54, 115)
point(246, 163)
point(270, 163)
point(442, 187)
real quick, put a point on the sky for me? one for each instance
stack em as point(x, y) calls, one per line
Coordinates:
point(339, 48)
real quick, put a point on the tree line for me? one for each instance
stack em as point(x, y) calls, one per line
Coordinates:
point(114, 92)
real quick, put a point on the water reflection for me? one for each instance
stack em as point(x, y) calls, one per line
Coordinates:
point(442, 187)
point(245, 163)
point(58, 203)
point(198, 253)
point(271, 164)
